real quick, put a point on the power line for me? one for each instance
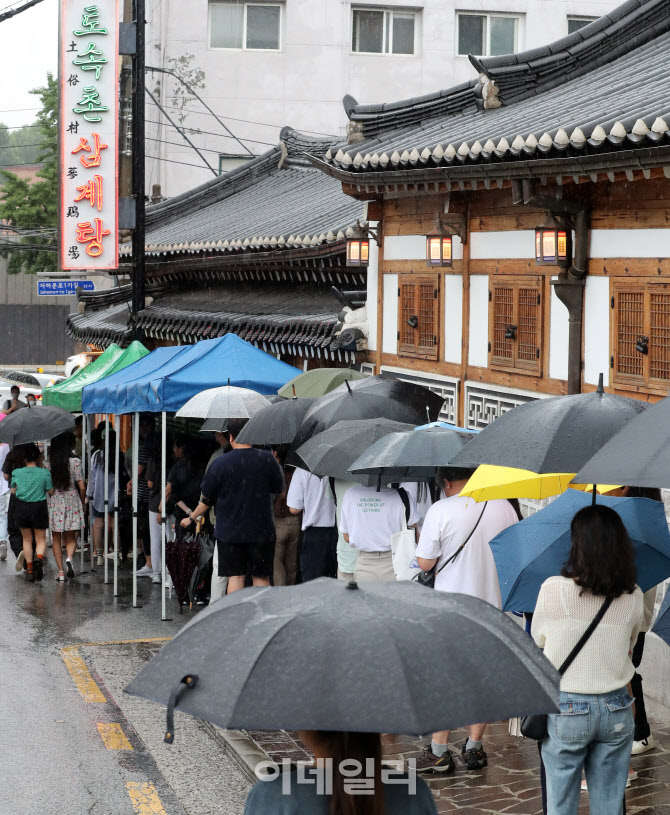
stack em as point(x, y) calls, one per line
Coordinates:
point(210, 133)
point(185, 163)
point(8, 14)
point(18, 110)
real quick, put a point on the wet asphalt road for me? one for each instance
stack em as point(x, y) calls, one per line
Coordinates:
point(71, 742)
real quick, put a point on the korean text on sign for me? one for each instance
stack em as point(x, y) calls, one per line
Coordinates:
point(88, 124)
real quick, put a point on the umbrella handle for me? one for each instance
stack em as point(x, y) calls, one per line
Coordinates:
point(186, 683)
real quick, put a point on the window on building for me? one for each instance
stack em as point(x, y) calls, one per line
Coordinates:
point(418, 315)
point(251, 26)
point(515, 324)
point(575, 23)
point(383, 31)
point(641, 334)
point(487, 35)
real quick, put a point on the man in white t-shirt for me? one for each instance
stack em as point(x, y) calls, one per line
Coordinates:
point(367, 521)
point(447, 526)
point(4, 504)
point(311, 495)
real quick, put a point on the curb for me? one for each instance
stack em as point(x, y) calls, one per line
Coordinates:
point(240, 747)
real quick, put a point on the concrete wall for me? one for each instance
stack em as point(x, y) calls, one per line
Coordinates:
point(303, 83)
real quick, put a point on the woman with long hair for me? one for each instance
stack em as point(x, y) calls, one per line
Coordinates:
point(349, 780)
point(66, 513)
point(30, 485)
point(95, 495)
point(594, 729)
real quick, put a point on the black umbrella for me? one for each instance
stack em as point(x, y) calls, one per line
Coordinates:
point(214, 426)
point(333, 451)
point(275, 424)
point(554, 435)
point(373, 398)
point(21, 378)
point(285, 658)
point(411, 456)
point(35, 424)
point(639, 454)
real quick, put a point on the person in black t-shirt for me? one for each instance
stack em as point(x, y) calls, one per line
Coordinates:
point(241, 485)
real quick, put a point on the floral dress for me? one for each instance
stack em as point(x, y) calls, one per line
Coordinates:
point(66, 513)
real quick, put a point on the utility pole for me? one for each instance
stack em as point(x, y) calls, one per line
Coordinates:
point(138, 282)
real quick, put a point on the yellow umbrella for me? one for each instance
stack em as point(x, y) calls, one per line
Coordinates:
point(490, 482)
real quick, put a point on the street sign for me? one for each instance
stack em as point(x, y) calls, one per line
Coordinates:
point(88, 125)
point(54, 287)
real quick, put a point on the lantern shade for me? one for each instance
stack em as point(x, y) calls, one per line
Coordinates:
point(358, 251)
point(439, 247)
point(553, 245)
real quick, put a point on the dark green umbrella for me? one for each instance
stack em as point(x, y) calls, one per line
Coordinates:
point(318, 382)
point(327, 655)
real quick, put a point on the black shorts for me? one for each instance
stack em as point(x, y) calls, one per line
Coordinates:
point(31, 514)
point(255, 559)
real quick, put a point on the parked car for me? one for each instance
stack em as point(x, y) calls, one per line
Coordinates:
point(78, 361)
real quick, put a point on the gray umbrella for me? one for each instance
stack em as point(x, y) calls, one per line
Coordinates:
point(327, 655)
point(411, 456)
point(333, 451)
point(35, 424)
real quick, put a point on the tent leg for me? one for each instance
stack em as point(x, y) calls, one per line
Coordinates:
point(163, 513)
point(117, 425)
point(136, 441)
point(90, 511)
point(105, 548)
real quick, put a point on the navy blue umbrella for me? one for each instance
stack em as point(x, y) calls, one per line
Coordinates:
point(662, 624)
point(529, 552)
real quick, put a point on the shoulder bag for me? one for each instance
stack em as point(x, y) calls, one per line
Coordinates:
point(535, 725)
point(428, 578)
point(403, 544)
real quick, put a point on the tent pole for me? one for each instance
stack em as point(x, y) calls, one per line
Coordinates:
point(136, 441)
point(117, 425)
point(593, 500)
point(105, 548)
point(163, 513)
point(89, 441)
point(84, 474)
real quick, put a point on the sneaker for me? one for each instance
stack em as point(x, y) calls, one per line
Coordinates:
point(145, 571)
point(632, 775)
point(20, 561)
point(3, 550)
point(99, 561)
point(155, 578)
point(428, 762)
point(60, 577)
point(38, 566)
point(29, 577)
point(643, 746)
point(69, 568)
point(474, 759)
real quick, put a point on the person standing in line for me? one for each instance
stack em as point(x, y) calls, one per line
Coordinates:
point(31, 485)
point(78, 435)
point(595, 728)
point(219, 584)
point(145, 451)
point(95, 495)
point(65, 504)
point(310, 495)
point(242, 485)
point(154, 482)
point(368, 520)
point(15, 459)
point(15, 402)
point(31, 400)
point(459, 528)
point(4, 505)
point(287, 527)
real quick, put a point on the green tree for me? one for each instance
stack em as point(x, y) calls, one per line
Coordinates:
point(34, 206)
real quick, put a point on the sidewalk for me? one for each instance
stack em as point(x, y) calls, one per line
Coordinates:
point(511, 782)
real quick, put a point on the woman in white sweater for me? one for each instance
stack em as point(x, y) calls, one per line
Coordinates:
point(594, 730)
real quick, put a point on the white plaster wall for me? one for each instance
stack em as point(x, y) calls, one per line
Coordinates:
point(478, 353)
point(302, 85)
point(371, 299)
point(390, 314)
point(413, 247)
point(558, 338)
point(630, 243)
point(498, 245)
point(597, 329)
point(453, 317)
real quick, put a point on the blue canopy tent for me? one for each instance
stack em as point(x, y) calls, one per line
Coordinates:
point(166, 379)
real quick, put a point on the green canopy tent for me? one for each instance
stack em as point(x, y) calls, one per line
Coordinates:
point(67, 394)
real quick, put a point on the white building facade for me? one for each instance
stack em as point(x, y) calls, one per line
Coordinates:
point(268, 64)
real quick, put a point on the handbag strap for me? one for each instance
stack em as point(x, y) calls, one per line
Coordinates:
point(404, 497)
point(585, 636)
point(462, 546)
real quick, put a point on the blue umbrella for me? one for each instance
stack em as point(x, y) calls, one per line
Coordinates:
point(529, 552)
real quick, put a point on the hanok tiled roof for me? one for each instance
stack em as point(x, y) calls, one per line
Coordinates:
point(273, 317)
point(602, 90)
point(276, 201)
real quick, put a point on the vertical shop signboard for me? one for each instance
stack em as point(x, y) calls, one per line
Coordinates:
point(88, 133)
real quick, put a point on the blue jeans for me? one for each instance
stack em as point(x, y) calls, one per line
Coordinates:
point(594, 732)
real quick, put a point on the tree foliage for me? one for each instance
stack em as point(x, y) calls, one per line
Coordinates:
point(34, 206)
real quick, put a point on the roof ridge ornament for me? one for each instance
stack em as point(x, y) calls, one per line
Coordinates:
point(489, 92)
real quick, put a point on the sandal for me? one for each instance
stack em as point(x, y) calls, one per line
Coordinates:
point(60, 577)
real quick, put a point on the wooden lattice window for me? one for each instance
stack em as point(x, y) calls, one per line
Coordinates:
point(418, 315)
point(641, 333)
point(515, 323)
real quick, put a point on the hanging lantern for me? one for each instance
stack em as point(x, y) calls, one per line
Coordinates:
point(552, 244)
point(358, 247)
point(439, 246)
